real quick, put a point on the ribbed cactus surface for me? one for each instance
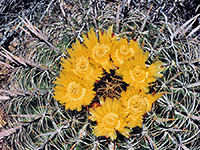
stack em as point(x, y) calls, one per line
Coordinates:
point(34, 115)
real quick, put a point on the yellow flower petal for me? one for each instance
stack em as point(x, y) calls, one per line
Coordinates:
point(81, 65)
point(71, 92)
point(121, 52)
point(135, 75)
point(134, 120)
point(133, 102)
point(155, 69)
point(136, 104)
point(100, 49)
point(109, 119)
point(151, 99)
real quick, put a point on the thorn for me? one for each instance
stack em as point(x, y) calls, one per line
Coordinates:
point(133, 31)
point(142, 46)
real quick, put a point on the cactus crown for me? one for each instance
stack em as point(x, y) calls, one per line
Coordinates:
point(120, 66)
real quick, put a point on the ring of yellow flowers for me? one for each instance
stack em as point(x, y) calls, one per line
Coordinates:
point(87, 63)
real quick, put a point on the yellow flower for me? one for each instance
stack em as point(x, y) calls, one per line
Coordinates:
point(151, 99)
point(109, 119)
point(134, 120)
point(100, 49)
point(154, 71)
point(124, 50)
point(80, 64)
point(137, 74)
point(72, 92)
point(133, 101)
point(136, 104)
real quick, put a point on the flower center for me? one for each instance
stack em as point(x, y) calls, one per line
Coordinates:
point(75, 91)
point(82, 65)
point(133, 102)
point(111, 121)
point(124, 50)
point(123, 53)
point(101, 52)
point(136, 104)
point(139, 74)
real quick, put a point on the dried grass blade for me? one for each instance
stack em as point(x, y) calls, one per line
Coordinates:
point(7, 56)
point(6, 65)
point(197, 84)
point(184, 147)
point(8, 132)
point(62, 3)
point(145, 20)
point(195, 117)
point(184, 25)
point(117, 20)
point(12, 93)
point(13, 57)
point(26, 62)
point(39, 34)
point(3, 98)
point(193, 31)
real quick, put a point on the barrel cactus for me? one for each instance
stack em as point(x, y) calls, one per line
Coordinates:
point(102, 75)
